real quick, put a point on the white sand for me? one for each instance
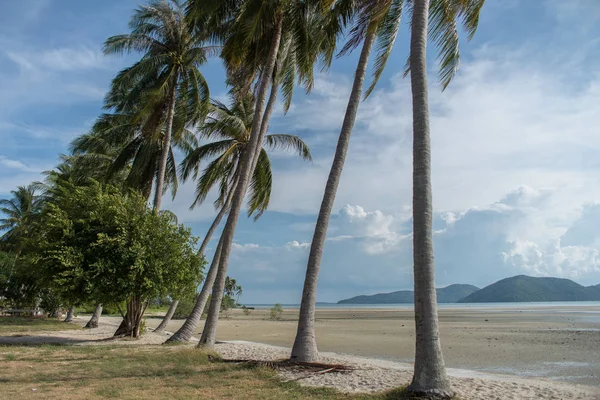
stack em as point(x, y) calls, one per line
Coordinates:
point(370, 375)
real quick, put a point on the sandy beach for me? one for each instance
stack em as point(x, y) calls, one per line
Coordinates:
point(375, 374)
point(561, 343)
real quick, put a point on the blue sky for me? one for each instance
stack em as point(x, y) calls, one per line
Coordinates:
point(516, 171)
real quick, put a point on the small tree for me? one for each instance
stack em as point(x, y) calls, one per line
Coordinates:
point(275, 312)
point(97, 244)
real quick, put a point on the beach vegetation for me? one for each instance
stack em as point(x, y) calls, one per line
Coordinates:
point(276, 312)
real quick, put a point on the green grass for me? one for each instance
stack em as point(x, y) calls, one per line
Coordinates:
point(19, 325)
point(138, 372)
point(145, 372)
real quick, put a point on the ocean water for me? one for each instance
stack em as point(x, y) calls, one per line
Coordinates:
point(409, 306)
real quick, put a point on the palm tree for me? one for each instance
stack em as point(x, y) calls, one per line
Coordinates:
point(233, 126)
point(256, 30)
point(19, 211)
point(132, 148)
point(429, 372)
point(167, 73)
point(374, 22)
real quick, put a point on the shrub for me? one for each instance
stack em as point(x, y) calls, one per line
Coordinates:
point(276, 312)
point(246, 310)
point(184, 309)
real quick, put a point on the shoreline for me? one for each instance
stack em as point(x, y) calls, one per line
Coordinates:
point(375, 375)
point(559, 344)
point(371, 374)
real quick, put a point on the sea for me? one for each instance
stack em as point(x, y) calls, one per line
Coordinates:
point(409, 306)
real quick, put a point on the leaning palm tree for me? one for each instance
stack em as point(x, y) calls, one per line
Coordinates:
point(232, 126)
point(166, 74)
point(374, 22)
point(254, 27)
point(429, 371)
point(19, 212)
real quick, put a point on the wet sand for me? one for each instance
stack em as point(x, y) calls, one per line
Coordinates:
point(561, 343)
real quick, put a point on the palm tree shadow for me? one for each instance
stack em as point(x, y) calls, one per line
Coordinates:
point(33, 340)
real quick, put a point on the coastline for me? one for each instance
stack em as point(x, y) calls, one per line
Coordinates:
point(370, 374)
point(552, 343)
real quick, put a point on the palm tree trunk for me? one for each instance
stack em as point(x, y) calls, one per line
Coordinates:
point(93, 322)
point(70, 313)
point(264, 125)
point(187, 330)
point(305, 345)
point(185, 333)
point(162, 167)
point(430, 373)
point(163, 324)
point(210, 328)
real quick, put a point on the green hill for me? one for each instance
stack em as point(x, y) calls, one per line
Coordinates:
point(524, 288)
point(449, 294)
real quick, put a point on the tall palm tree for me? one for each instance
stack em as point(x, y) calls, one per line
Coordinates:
point(19, 212)
point(253, 27)
point(166, 74)
point(430, 377)
point(373, 23)
point(232, 125)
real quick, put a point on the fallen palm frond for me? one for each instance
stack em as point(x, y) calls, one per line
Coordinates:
point(313, 368)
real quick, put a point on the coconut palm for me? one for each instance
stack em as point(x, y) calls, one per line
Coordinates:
point(232, 125)
point(374, 22)
point(429, 377)
point(19, 211)
point(255, 30)
point(167, 74)
point(132, 148)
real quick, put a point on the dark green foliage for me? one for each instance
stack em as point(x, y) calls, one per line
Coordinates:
point(95, 244)
point(184, 308)
point(524, 288)
point(449, 294)
point(19, 285)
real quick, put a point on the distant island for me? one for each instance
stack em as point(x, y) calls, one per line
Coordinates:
point(449, 294)
point(519, 288)
point(524, 288)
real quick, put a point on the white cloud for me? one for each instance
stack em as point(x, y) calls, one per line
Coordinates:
point(17, 165)
point(372, 250)
point(58, 59)
point(507, 120)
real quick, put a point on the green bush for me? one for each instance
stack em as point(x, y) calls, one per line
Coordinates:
point(276, 312)
point(184, 309)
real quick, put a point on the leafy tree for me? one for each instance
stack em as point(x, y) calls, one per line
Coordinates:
point(166, 76)
point(19, 284)
point(96, 244)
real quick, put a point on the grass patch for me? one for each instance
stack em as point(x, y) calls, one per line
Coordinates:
point(18, 325)
point(145, 372)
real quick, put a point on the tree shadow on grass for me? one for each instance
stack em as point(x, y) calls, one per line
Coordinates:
point(38, 340)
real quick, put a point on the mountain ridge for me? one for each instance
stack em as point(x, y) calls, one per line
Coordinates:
point(523, 288)
point(448, 294)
